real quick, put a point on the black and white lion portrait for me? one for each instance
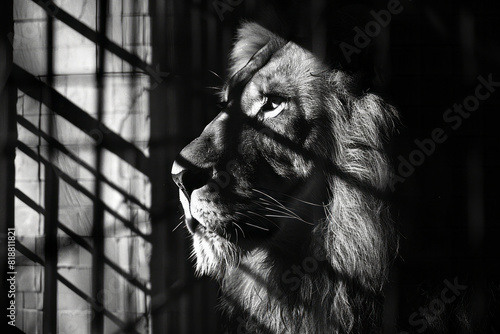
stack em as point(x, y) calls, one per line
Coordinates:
point(283, 193)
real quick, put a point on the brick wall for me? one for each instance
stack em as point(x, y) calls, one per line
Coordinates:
point(126, 114)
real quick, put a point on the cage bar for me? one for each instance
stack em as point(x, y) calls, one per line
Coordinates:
point(51, 205)
point(98, 212)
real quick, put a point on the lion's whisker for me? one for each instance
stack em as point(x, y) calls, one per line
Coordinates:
point(297, 209)
point(284, 207)
point(279, 216)
point(261, 216)
point(254, 220)
point(290, 217)
point(238, 226)
point(267, 195)
point(274, 201)
point(246, 216)
point(288, 213)
point(302, 201)
point(282, 201)
point(176, 227)
point(281, 211)
point(218, 76)
point(259, 227)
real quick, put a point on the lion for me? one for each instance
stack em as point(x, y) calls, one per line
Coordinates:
point(284, 193)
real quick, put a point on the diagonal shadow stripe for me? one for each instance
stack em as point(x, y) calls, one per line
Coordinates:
point(55, 11)
point(280, 139)
point(83, 243)
point(55, 143)
point(77, 186)
point(63, 107)
point(35, 258)
point(353, 180)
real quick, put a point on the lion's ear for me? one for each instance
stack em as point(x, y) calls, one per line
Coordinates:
point(250, 38)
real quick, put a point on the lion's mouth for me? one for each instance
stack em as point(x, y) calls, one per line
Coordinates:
point(192, 224)
point(243, 221)
point(195, 224)
point(232, 230)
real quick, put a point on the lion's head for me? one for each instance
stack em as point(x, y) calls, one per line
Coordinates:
point(282, 192)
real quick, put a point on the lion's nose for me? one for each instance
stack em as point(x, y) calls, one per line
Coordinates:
point(187, 179)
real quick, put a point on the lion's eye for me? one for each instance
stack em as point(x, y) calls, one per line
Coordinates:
point(273, 105)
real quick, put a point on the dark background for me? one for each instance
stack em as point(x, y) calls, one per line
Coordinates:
point(427, 59)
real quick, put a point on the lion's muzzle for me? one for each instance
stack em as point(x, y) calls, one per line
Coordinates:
point(188, 180)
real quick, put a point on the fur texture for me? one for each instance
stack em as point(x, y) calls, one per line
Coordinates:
point(289, 216)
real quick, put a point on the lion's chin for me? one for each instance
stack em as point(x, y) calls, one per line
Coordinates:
point(214, 254)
